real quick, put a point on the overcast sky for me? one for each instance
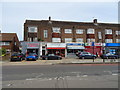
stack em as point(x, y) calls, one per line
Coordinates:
point(14, 14)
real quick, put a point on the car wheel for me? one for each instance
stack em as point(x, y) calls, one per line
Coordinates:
point(83, 57)
point(46, 58)
point(58, 58)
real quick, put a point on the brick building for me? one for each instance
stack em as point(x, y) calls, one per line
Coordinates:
point(65, 31)
point(9, 41)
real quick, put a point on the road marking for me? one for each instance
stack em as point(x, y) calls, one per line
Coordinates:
point(114, 74)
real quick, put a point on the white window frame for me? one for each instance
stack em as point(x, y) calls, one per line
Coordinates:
point(90, 40)
point(68, 40)
point(68, 30)
point(79, 31)
point(32, 27)
point(56, 39)
point(90, 31)
point(99, 35)
point(108, 40)
point(117, 32)
point(117, 40)
point(45, 33)
point(56, 29)
point(79, 39)
point(108, 31)
point(4, 43)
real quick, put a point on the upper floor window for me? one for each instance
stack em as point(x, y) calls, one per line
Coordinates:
point(79, 31)
point(4, 43)
point(56, 29)
point(68, 30)
point(56, 39)
point(90, 31)
point(79, 40)
point(117, 32)
point(117, 40)
point(68, 39)
point(32, 29)
point(108, 40)
point(45, 33)
point(90, 40)
point(108, 31)
point(99, 35)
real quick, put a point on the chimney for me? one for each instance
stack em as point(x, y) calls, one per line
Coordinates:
point(95, 21)
point(49, 18)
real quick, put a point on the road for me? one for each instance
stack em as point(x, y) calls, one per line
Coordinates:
point(60, 76)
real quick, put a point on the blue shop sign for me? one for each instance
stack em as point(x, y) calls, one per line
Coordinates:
point(75, 44)
point(113, 44)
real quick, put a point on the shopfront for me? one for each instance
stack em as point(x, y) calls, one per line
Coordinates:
point(32, 47)
point(75, 47)
point(95, 48)
point(113, 48)
point(57, 49)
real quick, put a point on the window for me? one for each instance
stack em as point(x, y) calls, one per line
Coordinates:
point(56, 39)
point(35, 39)
point(99, 35)
point(108, 40)
point(29, 39)
point(108, 31)
point(117, 40)
point(56, 29)
point(68, 30)
point(117, 32)
point(32, 29)
point(79, 31)
point(79, 40)
point(90, 40)
point(90, 31)
point(45, 33)
point(4, 43)
point(68, 39)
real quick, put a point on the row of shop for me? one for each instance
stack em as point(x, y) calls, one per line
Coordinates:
point(63, 49)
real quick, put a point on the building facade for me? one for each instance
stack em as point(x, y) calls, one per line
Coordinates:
point(65, 31)
point(9, 41)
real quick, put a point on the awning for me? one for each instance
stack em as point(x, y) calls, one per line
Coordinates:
point(75, 47)
point(55, 48)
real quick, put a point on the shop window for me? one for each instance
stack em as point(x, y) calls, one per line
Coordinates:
point(45, 33)
point(79, 31)
point(32, 29)
point(68, 39)
point(90, 31)
point(35, 39)
point(117, 32)
point(56, 39)
point(90, 40)
point(68, 30)
point(56, 29)
point(117, 40)
point(79, 40)
point(108, 31)
point(108, 40)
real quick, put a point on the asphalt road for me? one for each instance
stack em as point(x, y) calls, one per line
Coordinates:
point(60, 76)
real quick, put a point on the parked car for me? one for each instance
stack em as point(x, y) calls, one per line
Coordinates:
point(109, 56)
point(17, 57)
point(86, 55)
point(51, 57)
point(32, 56)
point(77, 53)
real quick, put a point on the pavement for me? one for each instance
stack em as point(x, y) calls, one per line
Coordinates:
point(63, 61)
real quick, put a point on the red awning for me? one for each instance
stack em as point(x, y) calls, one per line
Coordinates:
point(56, 48)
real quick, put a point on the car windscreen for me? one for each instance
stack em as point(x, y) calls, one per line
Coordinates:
point(32, 54)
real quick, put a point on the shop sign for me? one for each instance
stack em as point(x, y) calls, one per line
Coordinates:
point(32, 45)
point(75, 44)
point(56, 45)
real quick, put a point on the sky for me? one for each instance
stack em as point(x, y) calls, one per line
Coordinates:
point(14, 14)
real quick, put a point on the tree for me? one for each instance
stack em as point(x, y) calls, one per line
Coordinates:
point(2, 51)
